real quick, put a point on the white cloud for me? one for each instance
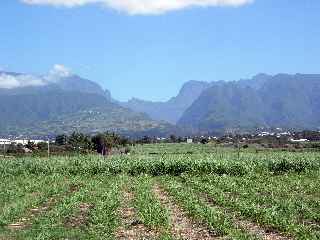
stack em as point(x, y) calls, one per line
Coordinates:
point(9, 81)
point(60, 71)
point(143, 6)
point(57, 72)
point(13, 81)
point(64, 3)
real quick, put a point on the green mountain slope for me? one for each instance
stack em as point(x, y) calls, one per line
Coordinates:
point(66, 105)
point(289, 101)
point(172, 109)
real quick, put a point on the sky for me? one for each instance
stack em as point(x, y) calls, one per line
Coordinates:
point(149, 48)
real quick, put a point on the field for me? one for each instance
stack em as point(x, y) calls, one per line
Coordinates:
point(163, 191)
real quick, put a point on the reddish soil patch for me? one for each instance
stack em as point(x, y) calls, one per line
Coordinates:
point(182, 226)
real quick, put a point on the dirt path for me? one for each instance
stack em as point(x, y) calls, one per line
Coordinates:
point(26, 220)
point(182, 226)
point(81, 218)
point(132, 228)
point(248, 226)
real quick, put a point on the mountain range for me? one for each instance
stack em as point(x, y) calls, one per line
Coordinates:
point(171, 110)
point(283, 100)
point(62, 103)
point(67, 104)
point(264, 101)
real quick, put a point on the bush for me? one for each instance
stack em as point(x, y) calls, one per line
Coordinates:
point(286, 165)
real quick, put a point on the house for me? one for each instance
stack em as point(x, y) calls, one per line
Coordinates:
point(298, 140)
point(20, 141)
point(5, 142)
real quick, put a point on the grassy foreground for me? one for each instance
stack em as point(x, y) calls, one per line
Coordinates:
point(216, 189)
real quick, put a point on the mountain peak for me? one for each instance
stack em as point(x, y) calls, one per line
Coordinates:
point(282, 100)
point(261, 75)
point(19, 83)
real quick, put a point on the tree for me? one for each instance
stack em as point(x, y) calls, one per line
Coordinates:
point(42, 146)
point(146, 140)
point(15, 149)
point(99, 143)
point(61, 140)
point(173, 138)
point(31, 146)
point(204, 141)
point(79, 141)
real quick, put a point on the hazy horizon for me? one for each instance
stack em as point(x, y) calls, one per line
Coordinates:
point(59, 71)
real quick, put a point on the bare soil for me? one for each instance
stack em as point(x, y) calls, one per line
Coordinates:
point(81, 218)
point(26, 221)
point(132, 228)
point(250, 227)
point(182, 226)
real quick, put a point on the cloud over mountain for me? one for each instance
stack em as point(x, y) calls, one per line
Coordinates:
point(13, 81)
point(9, 81)
point(60, 70)
point(143, 7)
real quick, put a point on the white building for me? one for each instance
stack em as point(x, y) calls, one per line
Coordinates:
point(298, 140)
point(20, 141)
point(5, 141)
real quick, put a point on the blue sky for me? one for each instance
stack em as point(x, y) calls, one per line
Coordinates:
point(150, 55)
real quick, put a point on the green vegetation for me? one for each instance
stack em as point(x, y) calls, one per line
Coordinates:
point(247, 104)
point(79, 197)
point(219, 223)
point(72, 104)
point(286, 203)
point(150, 210)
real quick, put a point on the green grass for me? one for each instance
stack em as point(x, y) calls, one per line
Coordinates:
point(150, 211)
point(217, 221)
point(102, 193)
point(22, 192)
point(278, 190)
point(286, 202)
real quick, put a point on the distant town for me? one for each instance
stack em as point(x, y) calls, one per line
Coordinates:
point(82, 143)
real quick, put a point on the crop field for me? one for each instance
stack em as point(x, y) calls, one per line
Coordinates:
point(163, 191)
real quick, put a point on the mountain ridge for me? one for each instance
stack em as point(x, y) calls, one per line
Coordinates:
point(282, 100)
point(54, 102)
point(172, 109)
point(70, 103)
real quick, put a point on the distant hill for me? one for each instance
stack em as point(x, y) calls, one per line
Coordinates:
point(172, 110)
point(54, 104)
point(256, 82)
point(71, 83)
point(49, 107)
point(289, 101)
